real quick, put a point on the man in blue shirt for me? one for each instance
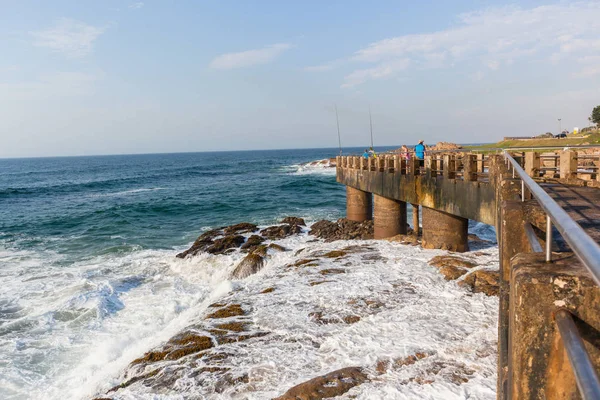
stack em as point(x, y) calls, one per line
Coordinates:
point(420, 153)
point(366, 154)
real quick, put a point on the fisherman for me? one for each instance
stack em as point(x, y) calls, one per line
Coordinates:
point(372, 152)
point(366, 154)
point(420, 153)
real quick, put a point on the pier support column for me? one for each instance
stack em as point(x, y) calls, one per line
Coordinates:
point(415, 213)
point(390, 217)
point(359, 205)
point(444, 231)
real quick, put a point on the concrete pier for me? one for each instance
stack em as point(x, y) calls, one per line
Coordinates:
point(444, 231)
point(359, 205)
point(390, 217)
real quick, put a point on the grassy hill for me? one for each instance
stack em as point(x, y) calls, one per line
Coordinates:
point(571, 140)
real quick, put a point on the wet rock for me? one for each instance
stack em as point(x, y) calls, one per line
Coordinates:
point(250, 265)
point(342, 229)
point(252, 242)
point(293, 221)
point(232, 310)
point(482, 281)
point(452, 267)
point(405, 239)
point(332, 271)
point(318, 317)
point(267, 290)
point(244, 227)
point(179, 346)
point(456, 373)
point(219, 246)
point(335, 254)
point(280, 231)
point(326, 386)
point(304, 261)
point(219, 241)
point(276, 247)
point(315, 283)
point(384, 366)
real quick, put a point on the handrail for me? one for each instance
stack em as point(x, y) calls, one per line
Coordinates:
point(584, 247)
point(585, 374)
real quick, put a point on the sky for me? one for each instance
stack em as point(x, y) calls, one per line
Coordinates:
point(122, 77)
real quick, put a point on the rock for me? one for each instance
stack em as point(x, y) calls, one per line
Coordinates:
point(326, 386)
point(452, 267)
point(404, 239)
point(293, 221)
point(232, 310)
point(482, 281)
point(244, 227)
point(267, 290)
point(276, 247)
point(252, 242)
point(219, 246)
point(335, 254)
point(250, 265)
point(184, 344)
point(342, 229)
point(332, 271)
point(211, 243)
point(446, 146)
point(280, 231)
point(384, 366)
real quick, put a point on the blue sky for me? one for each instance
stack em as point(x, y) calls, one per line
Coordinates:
point(110, 77)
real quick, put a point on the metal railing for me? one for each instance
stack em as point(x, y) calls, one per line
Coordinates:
point(588, 252)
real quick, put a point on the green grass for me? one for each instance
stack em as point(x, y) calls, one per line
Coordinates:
point(571, 140)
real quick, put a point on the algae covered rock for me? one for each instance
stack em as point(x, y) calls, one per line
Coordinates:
point(327, 386)
point(482, 281)
point(250, 265)
point(342, 229)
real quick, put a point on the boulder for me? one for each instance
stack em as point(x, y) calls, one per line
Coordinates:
point(326, 386)
point(293, 221)
point(342, 229)
point(482, 281)
point(220, 240)
point(252, 242)
point(452, 267)
point(280, 231)
point(250, 265)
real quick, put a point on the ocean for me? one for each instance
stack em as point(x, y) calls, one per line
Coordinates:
point(89, 280)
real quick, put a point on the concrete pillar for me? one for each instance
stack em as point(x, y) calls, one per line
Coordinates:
point(532, 164)
point(470, 167)
point(415, 212)
point(449, 167)
point(390, 217)
point(568, 164)
point(415, 166)
point(359, 205)
point(540, 368)
point(444, 231)
point(480, 163)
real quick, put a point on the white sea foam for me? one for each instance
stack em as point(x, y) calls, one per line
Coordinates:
point(85, 323)
point(320, 167)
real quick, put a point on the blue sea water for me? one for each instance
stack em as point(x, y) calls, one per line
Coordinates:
point(87, 248)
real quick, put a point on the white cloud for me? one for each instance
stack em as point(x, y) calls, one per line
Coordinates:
point(381, 71)
point(73, 38)
point(137, 6)
point(249, 58)
point(494, 37)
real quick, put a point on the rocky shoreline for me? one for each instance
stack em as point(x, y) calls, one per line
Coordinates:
point(201, 353)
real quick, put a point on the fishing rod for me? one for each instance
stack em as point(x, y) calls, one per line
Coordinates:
point(371, 125)
point(337, 120)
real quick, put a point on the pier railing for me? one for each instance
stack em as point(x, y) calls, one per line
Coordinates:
point(588, 252)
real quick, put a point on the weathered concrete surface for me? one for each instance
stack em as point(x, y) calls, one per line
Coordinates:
point(389, 217)
point(444, 231)
point(359, 205)
point(471, 200)
point(539, 364)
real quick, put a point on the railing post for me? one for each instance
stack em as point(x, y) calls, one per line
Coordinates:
point(386, 163)
point(361, 163)
point(470, 167)
point(449, 167)
point(532, 164)
point(480, 166)
point(396, 163)
point(568, 164)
